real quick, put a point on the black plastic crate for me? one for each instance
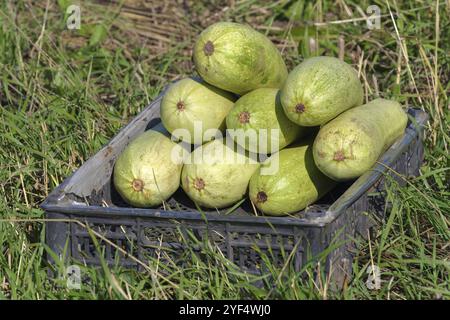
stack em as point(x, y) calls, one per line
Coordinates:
point(346, 213)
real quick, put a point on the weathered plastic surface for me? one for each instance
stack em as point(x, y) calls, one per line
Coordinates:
point(344, 214)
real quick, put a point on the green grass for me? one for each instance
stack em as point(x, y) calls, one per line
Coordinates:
point(64, 94)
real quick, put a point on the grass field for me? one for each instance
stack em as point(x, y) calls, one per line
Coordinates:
point(65, 93)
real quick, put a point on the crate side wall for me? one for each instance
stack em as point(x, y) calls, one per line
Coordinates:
point(361, 219)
